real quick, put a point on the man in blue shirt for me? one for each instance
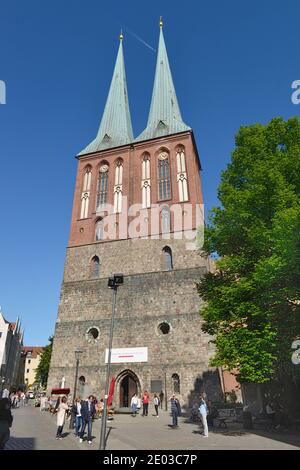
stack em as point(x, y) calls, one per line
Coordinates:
point(88, 411)
point(175, 410)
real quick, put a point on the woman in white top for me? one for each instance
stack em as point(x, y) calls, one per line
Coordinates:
point(156, 403)
point(203, 414)
point(134, 404)
point(61, 415)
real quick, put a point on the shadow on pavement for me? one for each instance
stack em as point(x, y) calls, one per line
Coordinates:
point(236, 429)
point(20, 443)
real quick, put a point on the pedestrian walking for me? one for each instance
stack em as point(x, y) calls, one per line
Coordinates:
point(76, 412)
point(5, 393)
point(61, 416)
point(203, 413)
point(88, 411)
point(134, 404)
point(161, 398)
point(156, 404)
point(43, 402)
point(145, 401)
point(175, 410)
point(6, 420)
point(22, 398)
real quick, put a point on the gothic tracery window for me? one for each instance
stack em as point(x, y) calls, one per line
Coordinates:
point(182, 175)
point(163, 177)
point(102, 187)
point(165, 220)
point(85, 195)
point(99, 230)
point(146, 183)
point(118, 187)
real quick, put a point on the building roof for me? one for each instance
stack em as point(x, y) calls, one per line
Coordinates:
point(35, 350)
point(115, 127)
point(164, 116)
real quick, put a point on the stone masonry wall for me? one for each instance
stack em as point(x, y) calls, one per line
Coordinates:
point(144, 301)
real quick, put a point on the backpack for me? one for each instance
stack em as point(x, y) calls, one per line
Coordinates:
point(178, 407)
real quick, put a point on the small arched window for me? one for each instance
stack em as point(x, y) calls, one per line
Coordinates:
point(165, 220)
point(167, 258)
point(99, 230)
point(95, 267)
point(176, 383)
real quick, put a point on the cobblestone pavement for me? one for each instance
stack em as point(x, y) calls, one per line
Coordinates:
point(33, 429)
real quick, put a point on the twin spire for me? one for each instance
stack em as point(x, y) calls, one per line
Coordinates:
point(164, 117)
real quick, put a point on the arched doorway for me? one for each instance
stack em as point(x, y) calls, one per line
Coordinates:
point(129, 385)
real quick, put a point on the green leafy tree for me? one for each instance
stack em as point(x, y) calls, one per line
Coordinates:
point(42, 370)
point(252, 298)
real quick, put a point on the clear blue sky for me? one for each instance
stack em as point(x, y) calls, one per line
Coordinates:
point(233, 64)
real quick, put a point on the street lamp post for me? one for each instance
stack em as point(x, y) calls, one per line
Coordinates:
point(78, 353)
point(166, 398)
point(113, 283)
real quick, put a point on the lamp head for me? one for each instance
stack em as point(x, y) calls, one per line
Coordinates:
point(78, 353)
point(118, 279)
point(115, 281)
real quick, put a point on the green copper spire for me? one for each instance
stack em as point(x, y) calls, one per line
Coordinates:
point(115, 127)
point(164, 117)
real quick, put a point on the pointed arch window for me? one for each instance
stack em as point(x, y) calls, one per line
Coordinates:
point(118, 190)
point(102, 187)
point(99, 230)
point(182, 176)
point(176, 383)
point(167, 258)
point(95, 267)
point(165, 220)
point(85, 195)
point(146, 183)
point(87, 179)
point(163, 176)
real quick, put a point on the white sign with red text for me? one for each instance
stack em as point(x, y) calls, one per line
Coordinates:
point(122, 355)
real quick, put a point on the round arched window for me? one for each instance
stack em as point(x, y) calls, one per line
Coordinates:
point(92, 334)
point(164, 328)
point(176, 383)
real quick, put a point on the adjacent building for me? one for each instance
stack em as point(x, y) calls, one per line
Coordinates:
point(11, 338)
point(30, 359)
point(137, 207)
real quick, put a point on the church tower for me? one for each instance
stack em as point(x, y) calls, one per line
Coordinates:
point(137, 207)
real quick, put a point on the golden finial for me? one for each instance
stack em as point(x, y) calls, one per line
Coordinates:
point(161, 22)
point(121, 35)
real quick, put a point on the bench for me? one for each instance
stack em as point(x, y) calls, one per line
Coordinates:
point(225, 416)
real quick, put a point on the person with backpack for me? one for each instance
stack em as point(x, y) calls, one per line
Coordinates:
point(203, 410)
point(156, 404)
point(6, 420)
point(175, 410)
